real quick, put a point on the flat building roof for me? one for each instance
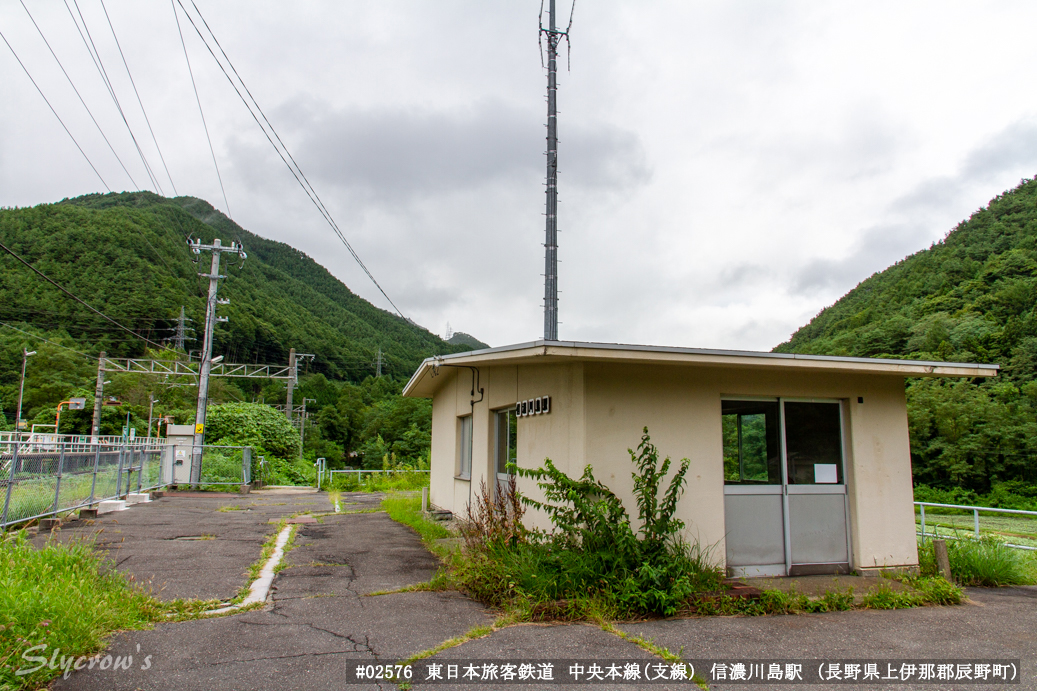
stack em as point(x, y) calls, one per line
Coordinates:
point(554, 352)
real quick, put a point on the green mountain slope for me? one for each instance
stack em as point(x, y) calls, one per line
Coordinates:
point(126, 254)
point(970, 297)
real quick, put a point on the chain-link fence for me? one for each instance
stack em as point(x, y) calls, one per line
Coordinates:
point(226, 465)
point(43, 478)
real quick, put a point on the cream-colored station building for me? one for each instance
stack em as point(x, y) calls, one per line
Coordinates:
point(800, 464)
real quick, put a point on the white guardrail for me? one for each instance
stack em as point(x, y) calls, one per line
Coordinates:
point(325, 476)
point(975, 518)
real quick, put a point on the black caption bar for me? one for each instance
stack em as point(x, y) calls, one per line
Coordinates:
point(592, 671)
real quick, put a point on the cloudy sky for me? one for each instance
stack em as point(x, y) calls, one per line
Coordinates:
point(727, 168)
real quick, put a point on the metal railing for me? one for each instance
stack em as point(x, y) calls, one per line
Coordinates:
point(39, 479)
point(975, 518)
point(44, 439)
point(330, 474)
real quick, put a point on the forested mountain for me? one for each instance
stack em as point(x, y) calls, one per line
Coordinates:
point(460, 338)
point(970, 298)
point(127, 256)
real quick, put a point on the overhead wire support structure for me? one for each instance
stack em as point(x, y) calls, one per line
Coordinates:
point(205, 366)
point(554, 36)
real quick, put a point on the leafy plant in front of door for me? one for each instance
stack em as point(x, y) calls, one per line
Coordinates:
point(594, 560)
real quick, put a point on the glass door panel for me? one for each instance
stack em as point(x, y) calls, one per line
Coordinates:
point(813, 443)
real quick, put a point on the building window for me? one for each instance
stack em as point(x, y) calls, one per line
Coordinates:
point(465, 447)
point(506, 434)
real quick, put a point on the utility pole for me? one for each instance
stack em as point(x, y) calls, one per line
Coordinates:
point(551, 233)
point(95, 428)
point(26, 354)
point(205, 367)
point(294, 375)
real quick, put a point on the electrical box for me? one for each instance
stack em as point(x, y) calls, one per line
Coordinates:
point(181, 440)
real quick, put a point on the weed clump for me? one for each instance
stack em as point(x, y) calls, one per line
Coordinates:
point(983, 562)
point(593, 562)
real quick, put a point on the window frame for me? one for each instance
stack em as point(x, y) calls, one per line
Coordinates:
point(463, 469)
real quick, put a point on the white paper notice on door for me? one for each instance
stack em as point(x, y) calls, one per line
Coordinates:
point(826, 474)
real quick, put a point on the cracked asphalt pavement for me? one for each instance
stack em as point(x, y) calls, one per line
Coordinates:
point(320, 616)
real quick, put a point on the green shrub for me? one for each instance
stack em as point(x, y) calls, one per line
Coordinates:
point(593, 559)
point(252, 424)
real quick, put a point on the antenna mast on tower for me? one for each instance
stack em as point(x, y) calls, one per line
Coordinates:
point(554, 36)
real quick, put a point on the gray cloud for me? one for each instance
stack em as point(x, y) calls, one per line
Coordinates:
point(911, 224)
point(1013, 147)
point(394, 155)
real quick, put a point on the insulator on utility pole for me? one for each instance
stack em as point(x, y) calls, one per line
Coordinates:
point(205, 367)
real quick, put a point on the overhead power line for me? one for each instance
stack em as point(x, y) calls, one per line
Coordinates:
point(139, 101)
point(76, 298)
point(95, 55)
point(199, 101)
point(73, 85)
point(271, 135)
point(41, 338)
point(27, 74)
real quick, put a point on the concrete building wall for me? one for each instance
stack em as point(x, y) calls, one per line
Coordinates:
point(882, 491)
point(599, 410)
point(444, 441)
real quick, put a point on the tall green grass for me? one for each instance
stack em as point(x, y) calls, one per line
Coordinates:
point(393, 481)
point(406, 509)
point(65, 598)
point(983, 562)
